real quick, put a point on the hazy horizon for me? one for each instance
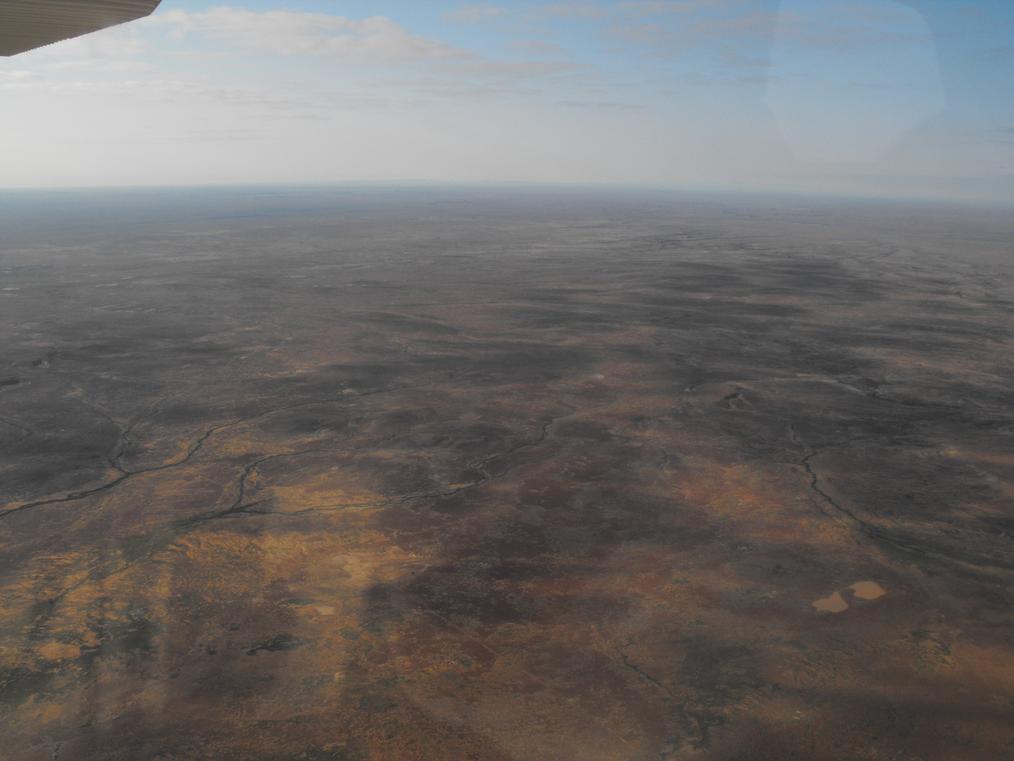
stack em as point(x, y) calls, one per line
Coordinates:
point(730, 193)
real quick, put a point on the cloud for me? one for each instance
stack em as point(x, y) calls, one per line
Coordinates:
point(483, 79)
point(157, 89)
point(601, 105)
point(16, 77)
point(19, 80)
point(663, 7)
point(475, 14)
point(142, 65)
point(374, 40)
point(731, 28)
point(537, 46)
point(573, 10)
point(430, 89)
point(741, 32)
point(1002, 52)
point(651, 36)
point(485, 68)
point(748, 24)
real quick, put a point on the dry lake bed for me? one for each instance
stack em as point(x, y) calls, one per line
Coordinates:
point(490, 475)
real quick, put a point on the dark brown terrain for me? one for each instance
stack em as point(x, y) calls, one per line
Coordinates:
point(403, 475)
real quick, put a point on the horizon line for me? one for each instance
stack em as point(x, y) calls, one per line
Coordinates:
point(963, 200)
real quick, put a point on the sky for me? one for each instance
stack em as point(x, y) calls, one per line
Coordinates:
point(856, 97)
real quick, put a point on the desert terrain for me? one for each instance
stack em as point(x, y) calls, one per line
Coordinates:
point(504, 475)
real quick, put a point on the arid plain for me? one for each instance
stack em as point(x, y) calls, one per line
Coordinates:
point(399, 475)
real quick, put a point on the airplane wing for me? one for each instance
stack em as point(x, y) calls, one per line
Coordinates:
point(28, 24)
